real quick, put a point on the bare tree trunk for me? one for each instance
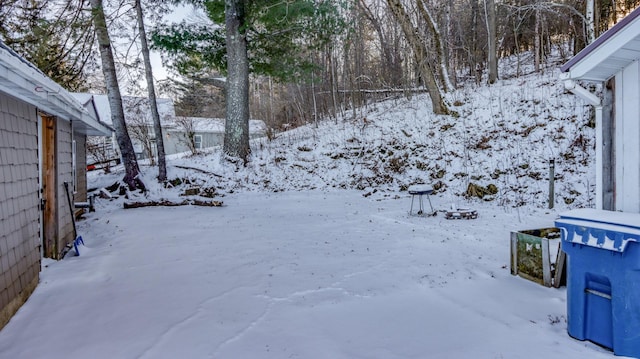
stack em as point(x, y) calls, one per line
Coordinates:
point(315, 104)
point(236, 131)
point(157, 128)
point(474, 66)
point(420, 53)
point(492, 52)
point(387, 63)
point(517, 47)
point(271, 117)
point(188, 127)
point(537, 50)
point(439, 46)
point(448, 40)
point(590, 14)
point(132, 170)
point(334, 82)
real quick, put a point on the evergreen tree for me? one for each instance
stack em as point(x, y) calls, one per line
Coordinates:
point(263, 37)
point(56, 38)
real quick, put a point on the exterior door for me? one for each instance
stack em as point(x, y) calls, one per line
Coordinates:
point(48, 187)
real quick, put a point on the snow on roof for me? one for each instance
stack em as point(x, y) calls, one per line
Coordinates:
point(216, 125)
point(23, 80)
point(90, 105)
point(136, 109)
point(202, 124)
point(82, 97)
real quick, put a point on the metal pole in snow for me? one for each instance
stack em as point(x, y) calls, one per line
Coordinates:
point(552, 170)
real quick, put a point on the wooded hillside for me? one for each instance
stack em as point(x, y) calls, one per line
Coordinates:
point(369, 49)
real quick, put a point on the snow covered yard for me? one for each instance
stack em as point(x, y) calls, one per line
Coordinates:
point(315, 274)
point(314, 254)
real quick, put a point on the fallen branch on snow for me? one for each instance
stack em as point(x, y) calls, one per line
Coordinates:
point(199, 170)
point(167, 203)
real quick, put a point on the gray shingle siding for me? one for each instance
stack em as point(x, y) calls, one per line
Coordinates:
point(65, 174)
point(24, 226)
point(19, 203)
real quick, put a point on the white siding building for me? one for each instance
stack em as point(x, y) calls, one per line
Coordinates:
point(613, 62)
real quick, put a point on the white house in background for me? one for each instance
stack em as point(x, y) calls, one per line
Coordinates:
point(206, 132)
point(138, 119)
point(613, 60)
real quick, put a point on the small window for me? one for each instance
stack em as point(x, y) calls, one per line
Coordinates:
point(197, 141)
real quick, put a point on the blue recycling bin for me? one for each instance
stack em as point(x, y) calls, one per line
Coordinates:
point(603, 277)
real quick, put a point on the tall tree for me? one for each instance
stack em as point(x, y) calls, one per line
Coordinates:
point(590, 15)
point(157, 127)
point(389, 67)
point(492, 36)
point(475, 66)
point(418, 46)
point(127, 152)
point(537, 39)
point(443, 69)
point(270, 37)
point(236, 134)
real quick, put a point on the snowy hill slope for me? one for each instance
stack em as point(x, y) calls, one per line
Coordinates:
point(497, 148)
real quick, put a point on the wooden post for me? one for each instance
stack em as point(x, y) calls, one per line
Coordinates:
point(546, 262)
point(552, 175)
point(608, 147)
point(561, 258)
point(49, 187)
point(514, 253)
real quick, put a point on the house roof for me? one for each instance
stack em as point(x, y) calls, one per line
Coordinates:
point(91, 107)
point(216, 125)
point(21, 79)
point(614, 50)
point(136, 109)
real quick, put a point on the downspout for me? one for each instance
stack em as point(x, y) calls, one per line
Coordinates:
point(594, 101)
point(582, 92)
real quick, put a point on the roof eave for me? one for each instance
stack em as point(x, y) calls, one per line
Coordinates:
point(581, 66)
point(20, 80)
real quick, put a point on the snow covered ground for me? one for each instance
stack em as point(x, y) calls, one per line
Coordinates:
point(309, 274)
point(504, 135)
point(314, 254)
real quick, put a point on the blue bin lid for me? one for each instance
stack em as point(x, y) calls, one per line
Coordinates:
point(602, 229)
